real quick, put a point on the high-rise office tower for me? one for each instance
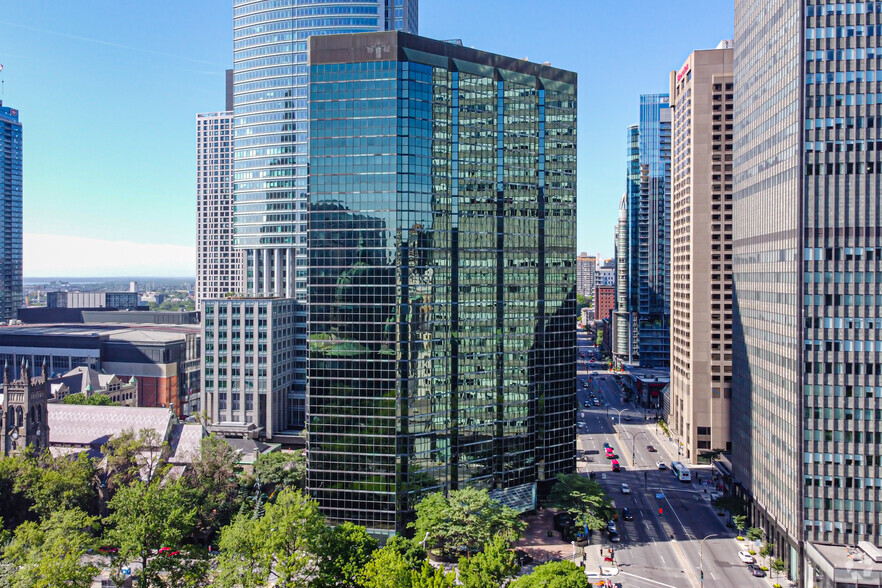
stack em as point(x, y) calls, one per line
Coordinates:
point(649, 215)
point(622, 325)
point(702, 101)
point(270, 94)
point(442, 274)
point(11, 295)
point(807, 394)
point(218, 269)
point(586, 265)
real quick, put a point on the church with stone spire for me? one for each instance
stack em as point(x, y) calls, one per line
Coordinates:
point(23, 411)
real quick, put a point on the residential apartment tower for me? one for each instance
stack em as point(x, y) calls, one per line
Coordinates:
point(11, 295)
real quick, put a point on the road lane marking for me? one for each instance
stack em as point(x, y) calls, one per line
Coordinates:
point(646, 579)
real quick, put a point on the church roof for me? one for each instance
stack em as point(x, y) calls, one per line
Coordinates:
point(92, 426)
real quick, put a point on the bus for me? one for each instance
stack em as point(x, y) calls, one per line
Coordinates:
point(682, 472)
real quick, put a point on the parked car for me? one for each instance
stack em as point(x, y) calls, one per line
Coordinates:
point(626, 489)
point(756, 571)
point(660, 465)
point(651, 449)
point(627, 417)
point(626, 514)
point(746, 557)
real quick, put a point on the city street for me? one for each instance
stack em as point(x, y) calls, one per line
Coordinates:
point(662, 546)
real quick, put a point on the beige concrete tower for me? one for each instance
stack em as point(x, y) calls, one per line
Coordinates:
point(701, 251)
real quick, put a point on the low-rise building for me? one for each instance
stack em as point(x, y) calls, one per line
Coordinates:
point(87, 381)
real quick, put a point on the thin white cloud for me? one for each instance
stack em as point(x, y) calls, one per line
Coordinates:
point(75, 256)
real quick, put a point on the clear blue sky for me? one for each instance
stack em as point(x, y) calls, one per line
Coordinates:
point(108, 92)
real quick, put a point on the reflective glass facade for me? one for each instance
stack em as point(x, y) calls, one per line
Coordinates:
point(648, 194)
point(442, 274)
point(11, 296)
point(270, 105)
point(807, 356)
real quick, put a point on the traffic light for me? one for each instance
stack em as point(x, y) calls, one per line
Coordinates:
point(660, 511)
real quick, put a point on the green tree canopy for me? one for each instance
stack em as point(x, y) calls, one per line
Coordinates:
point(393, 565)
point(464, 520)
point(281, 469)
point(147, 516)
point(282, 545)
point(754, 533)
point(51, 554)
point(55, 483)
point(582, 497)
point(97, 399)
point(212, 478)
point(556, 574)
point(491, 567)
point(344, 551)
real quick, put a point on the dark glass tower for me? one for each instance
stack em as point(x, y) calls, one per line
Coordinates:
point(442, 274)
point(10, 213)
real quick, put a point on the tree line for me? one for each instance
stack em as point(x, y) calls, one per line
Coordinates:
point(63, 519)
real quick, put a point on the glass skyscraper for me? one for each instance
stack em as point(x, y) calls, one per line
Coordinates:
point(270, 119)
point(807, 391)
point(648, 196)
point(11, 296)
point(442, 275)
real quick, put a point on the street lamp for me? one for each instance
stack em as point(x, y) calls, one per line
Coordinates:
point(700, 558)
point(633, 446)
point(618, 411)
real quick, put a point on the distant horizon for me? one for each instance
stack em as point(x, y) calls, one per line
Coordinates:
point(106, 278)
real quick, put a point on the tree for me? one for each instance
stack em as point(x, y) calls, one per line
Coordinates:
point(466, 520)
point(281, 470)
point(97, 399)
point(583, 497)
point(147, 516)
point(556, 574)
point(740, 521)
point(490, 567)
point(754, 533)
point(344, 552)
point(282, 544)
point(56, 483)
point(393, 565)
point(212, 478)
point(766, 551)
point(428, 576)
point(778, 566)
point(51, 554)
point(14, 506)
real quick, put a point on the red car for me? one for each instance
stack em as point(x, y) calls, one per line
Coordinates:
point(108, 549)
point(651, 449)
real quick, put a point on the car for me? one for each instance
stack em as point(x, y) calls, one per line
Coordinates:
point(614, 537)
point(607, 446)
point(626, 514)
point(660, 465)
point(596, 402)
point(651, 449)
point(615, 465)
point(756, 571)
point(627, 417)
point(108, 549)
point(587, 404)
point(626, 489)
point(745, 557)
point(611, 526)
